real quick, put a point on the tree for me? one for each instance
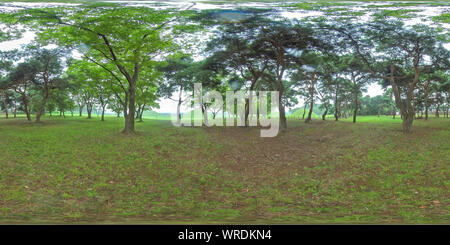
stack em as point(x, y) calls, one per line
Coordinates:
point(241, 53)
point(91, 83)
point(280, 37)
point(332, 67)
point(61, 101)
point(74, 89)
point(121, 40)
point(398, 57)
point(324, 92)
point(7, 99)
point(360, 77)
point(103, 96)
point(20, 79)
point(445, 88)
point(5, 94)
point(146, 92)
point(338, 84)
point(48, 71)
point(115, 106)
point(179, 72)
point(51, 106)
point(389, 93)
point(430, 85)
point(313, 69)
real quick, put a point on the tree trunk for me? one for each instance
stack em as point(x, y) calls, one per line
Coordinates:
point(125, 110)
point(205, 113)
point(427, 89)
point(345, 108)
point(247, 102)
point(103, 112)
point(408, 120)
point(405, 106)
point(129, 119)
point(247, 112)
point(325, 113)
point(179, 106)
point(141, 113)
point(138, 111)
point(304, 110)
point(44, 102)
point(28, 112)
point(311, 105)
point(282, 114)
point(279, 71)
point(81, 111)
point(179, 112)
point(448, 105)
point(25, 105)
point(438, 105)
point(392, 106)
point(336, 104)
point(393, 112)
point(4, 103)
point(311, 96)
point(89, 110)
point(355, 98)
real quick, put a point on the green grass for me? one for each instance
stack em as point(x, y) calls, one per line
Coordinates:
point(76, 170)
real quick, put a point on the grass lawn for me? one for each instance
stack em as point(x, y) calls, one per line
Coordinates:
point(76, 170)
